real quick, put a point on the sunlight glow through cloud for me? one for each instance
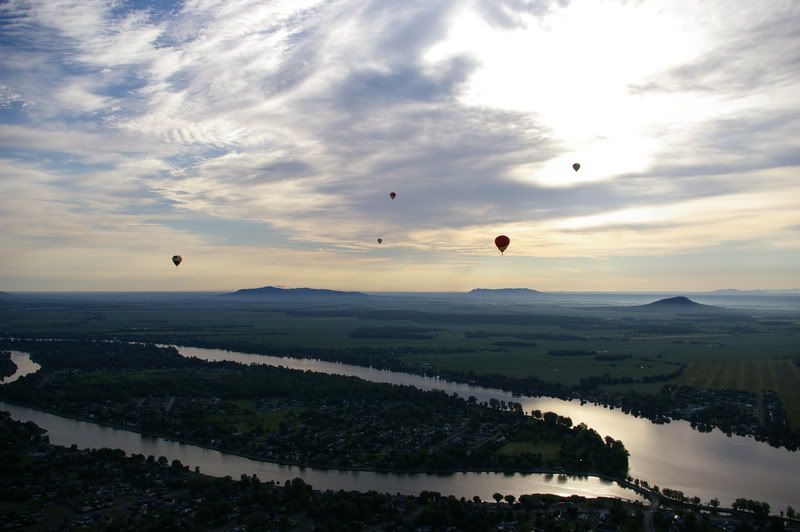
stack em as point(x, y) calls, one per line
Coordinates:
point(271, 132)
point(576, 72)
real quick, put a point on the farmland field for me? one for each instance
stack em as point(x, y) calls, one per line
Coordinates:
point(556, 342)
point(779, 375)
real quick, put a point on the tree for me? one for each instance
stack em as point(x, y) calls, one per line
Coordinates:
point(714, 503)
point(775, 525)
point(790, 513)
point(510, 499)
point(497, 498)
point(527, 501)
point(476, 499)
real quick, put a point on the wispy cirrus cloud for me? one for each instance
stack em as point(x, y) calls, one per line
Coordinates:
point(135, 129)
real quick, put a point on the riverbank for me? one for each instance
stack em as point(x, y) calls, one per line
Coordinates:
point(85, 435)
point(323, 467)
point(695, 405)
point(709, 465)
point(311, 419)
point(7, 366)
point(658, 496)
point(77, 488)
point(672, 403)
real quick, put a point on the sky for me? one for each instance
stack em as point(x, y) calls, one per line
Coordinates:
point(260, 140)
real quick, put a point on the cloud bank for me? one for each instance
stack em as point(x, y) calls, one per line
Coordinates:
point(260, 140)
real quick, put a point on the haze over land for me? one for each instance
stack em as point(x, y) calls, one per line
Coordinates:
point(260, 140)
point(399, 264)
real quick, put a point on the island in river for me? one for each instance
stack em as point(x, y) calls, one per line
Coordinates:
point(43, 486)
point(303, 418)
point(731, 369)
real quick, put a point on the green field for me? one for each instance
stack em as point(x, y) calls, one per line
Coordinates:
point(248, 418)
point(779, 375)
point(515, 340)
point(548, 450)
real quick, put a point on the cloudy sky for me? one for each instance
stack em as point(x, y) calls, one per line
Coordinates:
point(260, 140)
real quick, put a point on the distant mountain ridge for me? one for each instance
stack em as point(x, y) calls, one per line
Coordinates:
point(274, 291)
point(754, 292)
point(737, 291)
point(503, 291)
point(677, 303)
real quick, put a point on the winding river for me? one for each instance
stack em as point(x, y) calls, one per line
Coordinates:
point(673, 455)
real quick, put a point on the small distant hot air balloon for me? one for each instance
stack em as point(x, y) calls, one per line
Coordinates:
point(176, 260)
point(502, 243)
point(393, 195)
point(576, 166)
point(380, 241)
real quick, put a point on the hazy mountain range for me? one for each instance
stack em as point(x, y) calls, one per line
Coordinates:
point(679, 303)
point(504, 291)
point(275, 292)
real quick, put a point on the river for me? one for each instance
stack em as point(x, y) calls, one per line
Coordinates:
point(67, 431)
point(673, 455)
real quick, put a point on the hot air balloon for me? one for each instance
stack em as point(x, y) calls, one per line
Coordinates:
point(576, 166)
point(380, 241)
point(393, 195)
point(502, 243)
point(177, 260)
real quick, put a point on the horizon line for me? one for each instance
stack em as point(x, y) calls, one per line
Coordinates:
point(466, 291)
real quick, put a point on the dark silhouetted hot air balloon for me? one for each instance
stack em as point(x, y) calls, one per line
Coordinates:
point(502, 243)
point(380, 241)
point(393, 195)
point(177, 260)
point(576, 166)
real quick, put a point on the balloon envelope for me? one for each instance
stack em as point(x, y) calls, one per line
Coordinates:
point(380, 241)
point(177, 260)
point(502, 242)
point(576, 166)
point(392, 195)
